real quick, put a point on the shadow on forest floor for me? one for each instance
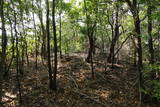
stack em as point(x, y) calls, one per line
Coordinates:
point(110, 88)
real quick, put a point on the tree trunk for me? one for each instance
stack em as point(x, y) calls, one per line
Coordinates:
point(22, 34)
point(13, 44)
point(139, 47)
point(150, 41)
point(135, 12)
point(138, 36)
point(48, 47)
point(60, 30)
point(36, 40)
point(4, 45)
point(55, 45)
point(90, 51)
point(43, 48)
point(17, 55)
point(115, 37)
point(90, 31)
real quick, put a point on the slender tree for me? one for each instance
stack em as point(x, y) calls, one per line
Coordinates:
point(12, 41)
point(22, 34)
point(55, 44)
point(17, 53)
point(40, 16)
point(48, 46)
point(115, 36)
point(4, 46)
point(90, 33)
point(134, 8)
point(150, 40)
point(60, 29)
point(35, 33)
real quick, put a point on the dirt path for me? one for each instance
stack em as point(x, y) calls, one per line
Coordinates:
point(111, 88)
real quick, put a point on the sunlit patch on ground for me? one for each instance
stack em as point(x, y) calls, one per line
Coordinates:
point(9, 99)
point(103, 93)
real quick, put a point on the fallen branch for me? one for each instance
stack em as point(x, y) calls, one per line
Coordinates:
point(90, 98)
point(74, 81)
point(135, 82)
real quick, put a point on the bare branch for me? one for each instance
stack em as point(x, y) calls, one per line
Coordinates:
point(121, 46)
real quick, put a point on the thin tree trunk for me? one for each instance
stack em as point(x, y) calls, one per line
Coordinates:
point(26, 51)
point(13, 44)
point(43, 48)
point(90, 33)
point(90, 51)
point(48, 47)
point(114, 37)
point(139, 48)
point(60, 30)
point(22, 42)
point(150, 41)
point(135, 12)
point(21, 67)
point(55, 45)
point(17, 56)
point(35, 33)
point(4, 46)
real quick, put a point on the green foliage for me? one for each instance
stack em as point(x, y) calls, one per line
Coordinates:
point(152, 81)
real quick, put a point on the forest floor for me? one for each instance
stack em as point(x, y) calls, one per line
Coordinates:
point(115, 87)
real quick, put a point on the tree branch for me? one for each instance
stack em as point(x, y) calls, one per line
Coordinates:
point(121, 46)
